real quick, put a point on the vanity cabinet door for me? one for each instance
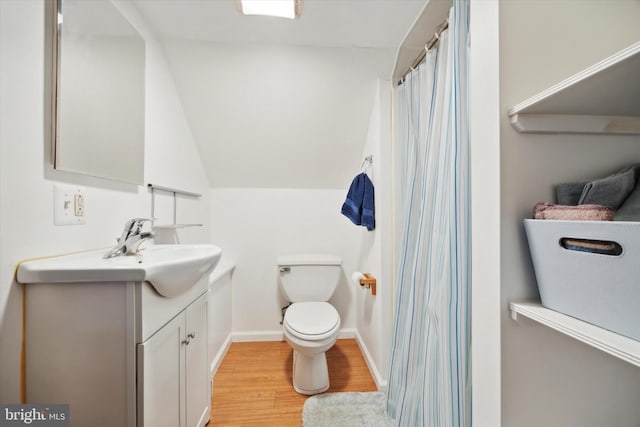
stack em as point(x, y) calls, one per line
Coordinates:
point(161, 376)
point(198, 388)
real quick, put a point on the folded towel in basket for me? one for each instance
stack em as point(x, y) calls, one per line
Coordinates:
point(569, 194)
point(630, 209)
point(612, 190)
point(573, 213)
point(602, 247)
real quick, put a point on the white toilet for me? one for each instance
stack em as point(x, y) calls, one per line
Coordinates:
point(311, 324)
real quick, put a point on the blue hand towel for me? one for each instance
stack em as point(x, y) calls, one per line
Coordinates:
point(359, 204)
point(352, 206)
point(368, 206)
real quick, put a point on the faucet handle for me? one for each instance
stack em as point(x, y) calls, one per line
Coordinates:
point(131, 238)
point(138, 221)
point(134, 225)
point(131, 228)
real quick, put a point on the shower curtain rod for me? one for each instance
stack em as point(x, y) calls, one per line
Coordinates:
point(432, 42)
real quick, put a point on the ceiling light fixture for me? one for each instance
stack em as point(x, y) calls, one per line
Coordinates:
point(282, 8)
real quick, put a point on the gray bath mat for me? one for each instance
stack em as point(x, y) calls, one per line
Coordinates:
point(351, 409)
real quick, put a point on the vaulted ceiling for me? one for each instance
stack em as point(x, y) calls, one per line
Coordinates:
point(274, 102)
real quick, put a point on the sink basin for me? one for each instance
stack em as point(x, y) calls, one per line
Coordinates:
point(170, 269)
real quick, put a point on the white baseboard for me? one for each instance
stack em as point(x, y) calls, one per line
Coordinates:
point(256, 336)
point(215, 363)
point(381, 382)
point(347, 333)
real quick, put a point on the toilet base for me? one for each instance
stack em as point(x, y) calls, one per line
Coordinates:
point(310, 373)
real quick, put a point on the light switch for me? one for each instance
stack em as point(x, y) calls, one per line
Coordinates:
point(68, 205)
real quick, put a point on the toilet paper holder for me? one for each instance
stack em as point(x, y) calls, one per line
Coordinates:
point(367, 280)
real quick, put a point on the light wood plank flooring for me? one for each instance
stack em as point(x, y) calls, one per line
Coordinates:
point(253, 384)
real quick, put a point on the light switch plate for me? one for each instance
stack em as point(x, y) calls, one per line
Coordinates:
point(68, 205)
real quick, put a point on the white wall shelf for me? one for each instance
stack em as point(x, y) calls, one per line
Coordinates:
point(175, 193)
point(614, 344)
point(602, 99)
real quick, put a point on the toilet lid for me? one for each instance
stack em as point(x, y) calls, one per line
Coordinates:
point(311, 320)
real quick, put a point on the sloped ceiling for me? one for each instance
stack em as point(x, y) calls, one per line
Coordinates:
point(280, 103)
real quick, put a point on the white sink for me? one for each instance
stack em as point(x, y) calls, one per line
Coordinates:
point(171, 269)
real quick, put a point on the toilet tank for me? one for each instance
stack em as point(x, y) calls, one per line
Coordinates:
point(309, 277)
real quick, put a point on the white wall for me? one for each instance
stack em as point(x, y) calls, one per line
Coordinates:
point(484, 114)
point(549, 379)
point(26, 180)
point(255, 226)
point(277, 116)
point(373, 313)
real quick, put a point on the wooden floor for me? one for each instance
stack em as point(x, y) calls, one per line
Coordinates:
point(253, 384)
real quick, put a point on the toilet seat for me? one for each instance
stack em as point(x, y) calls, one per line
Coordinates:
point(312, 321)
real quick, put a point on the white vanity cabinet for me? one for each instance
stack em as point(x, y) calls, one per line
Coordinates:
point(121, 340)
point(173, 385)
point(198, 384)
point(117, 353)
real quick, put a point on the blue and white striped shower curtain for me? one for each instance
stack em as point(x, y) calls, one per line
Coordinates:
point(430, 375)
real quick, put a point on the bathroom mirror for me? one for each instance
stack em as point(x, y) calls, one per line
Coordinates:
point(99, 84)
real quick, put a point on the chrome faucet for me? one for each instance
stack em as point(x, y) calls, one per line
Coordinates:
point(131, 238)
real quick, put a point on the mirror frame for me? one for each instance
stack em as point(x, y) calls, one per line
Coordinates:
point(53, 65)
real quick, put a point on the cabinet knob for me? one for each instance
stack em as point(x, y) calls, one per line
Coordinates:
point(191, 335)
point(186, 342)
